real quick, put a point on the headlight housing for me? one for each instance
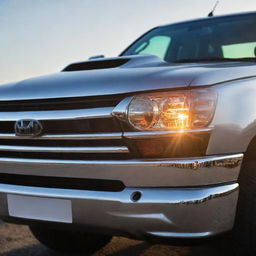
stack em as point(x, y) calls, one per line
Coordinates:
point(180, 110)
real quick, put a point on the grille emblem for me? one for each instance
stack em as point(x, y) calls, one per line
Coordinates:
point(28, 127)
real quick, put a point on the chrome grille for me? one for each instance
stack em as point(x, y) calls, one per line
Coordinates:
point(89, 133)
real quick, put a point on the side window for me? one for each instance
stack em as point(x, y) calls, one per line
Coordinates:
point(157, 45)
point(243, 50)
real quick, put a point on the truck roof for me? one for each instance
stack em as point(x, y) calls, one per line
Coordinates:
point(211, 18)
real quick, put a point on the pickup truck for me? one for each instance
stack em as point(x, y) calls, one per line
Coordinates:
point(156, 144)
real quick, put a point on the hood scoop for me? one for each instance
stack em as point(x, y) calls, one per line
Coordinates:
point(96, 64)
point(105, 63)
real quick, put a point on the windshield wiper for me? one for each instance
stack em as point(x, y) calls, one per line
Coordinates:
point(215, 59)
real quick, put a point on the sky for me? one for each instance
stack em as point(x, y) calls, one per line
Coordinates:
point(43, 36)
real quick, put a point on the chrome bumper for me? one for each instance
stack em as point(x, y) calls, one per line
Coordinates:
point(169, 206)
point(201, 171)
point(160, 212)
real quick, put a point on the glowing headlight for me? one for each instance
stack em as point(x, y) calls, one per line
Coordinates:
point(172, 110)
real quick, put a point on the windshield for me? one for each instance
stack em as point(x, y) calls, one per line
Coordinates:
point(230, 37)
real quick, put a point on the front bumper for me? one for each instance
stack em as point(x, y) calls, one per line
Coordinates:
point(161, 212)
point(164, 209)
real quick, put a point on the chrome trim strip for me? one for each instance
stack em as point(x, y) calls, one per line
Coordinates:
point(120, 111)
point(223, 161)
point(120, 149)
point(103, 136)
point(170, 196)
point(150, 134)
point(180, 235)
point(90, 113)
point(89, 136)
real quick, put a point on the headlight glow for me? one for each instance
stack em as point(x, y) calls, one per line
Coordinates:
point(180, 110)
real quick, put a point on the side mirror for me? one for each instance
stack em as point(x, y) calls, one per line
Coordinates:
point(96, 57)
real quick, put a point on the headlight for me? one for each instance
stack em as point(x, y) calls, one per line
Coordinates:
point(172, 110)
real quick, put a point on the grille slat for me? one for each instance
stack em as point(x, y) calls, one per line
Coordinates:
point(91, 113)
point(64, 149)
point(89, 136)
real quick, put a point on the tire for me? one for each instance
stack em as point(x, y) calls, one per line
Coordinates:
point(241, 241)
point(69, 241)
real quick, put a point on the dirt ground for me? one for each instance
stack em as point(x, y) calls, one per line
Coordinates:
point(18, 241)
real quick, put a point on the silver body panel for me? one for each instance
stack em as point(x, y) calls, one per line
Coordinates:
point(234, 120)
point(174, 213)
point(134, 76)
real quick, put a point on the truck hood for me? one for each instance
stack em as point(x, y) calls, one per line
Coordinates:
point(109, 76)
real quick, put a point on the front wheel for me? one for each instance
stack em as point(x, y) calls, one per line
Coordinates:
point(69, 241)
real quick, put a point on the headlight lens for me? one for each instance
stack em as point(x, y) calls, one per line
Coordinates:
point(173, 110)
point(143, 112)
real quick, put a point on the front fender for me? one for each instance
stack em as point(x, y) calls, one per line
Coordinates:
point(234, 123)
